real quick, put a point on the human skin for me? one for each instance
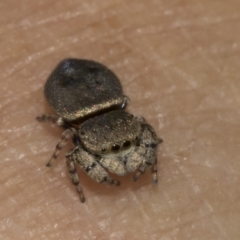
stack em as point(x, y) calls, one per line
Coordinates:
point(178, 62)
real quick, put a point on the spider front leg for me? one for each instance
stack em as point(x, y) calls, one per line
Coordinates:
point(113, 166)
point(146, 153)
point(89, 164)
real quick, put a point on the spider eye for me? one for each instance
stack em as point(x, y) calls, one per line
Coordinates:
point(115, 148)
point(126, 144)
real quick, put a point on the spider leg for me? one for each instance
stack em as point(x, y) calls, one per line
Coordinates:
point(147, 153)
point(51, 119)
point(55, 120)
point(74, 176)
point(89, 164)
point(67, 134)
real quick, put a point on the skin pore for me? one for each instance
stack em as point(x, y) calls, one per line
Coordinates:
point(178, 61)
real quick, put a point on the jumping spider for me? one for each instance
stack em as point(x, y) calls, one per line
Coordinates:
point(89, 104)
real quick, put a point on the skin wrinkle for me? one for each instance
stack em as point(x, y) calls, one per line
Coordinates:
point(17, 23)
point(40, 54)
point(166, 199)
point(175, 26)
point(63, 16)
point(187, 223)
point(36, 56)
point(23, 64)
